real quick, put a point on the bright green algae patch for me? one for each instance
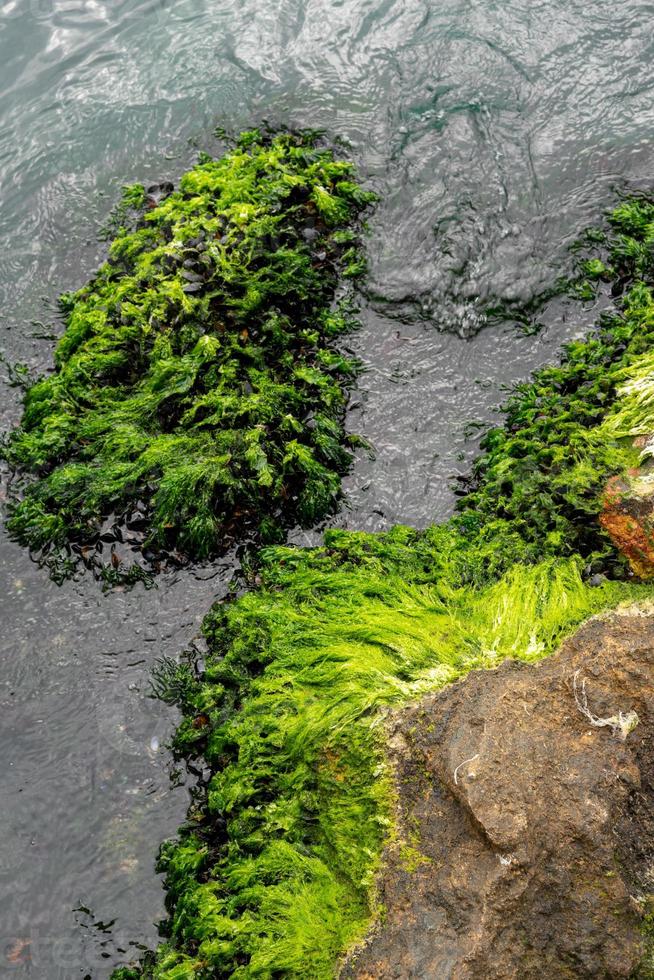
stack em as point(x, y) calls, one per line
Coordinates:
point(274, 874)
point(197, 379)
point(277, 878)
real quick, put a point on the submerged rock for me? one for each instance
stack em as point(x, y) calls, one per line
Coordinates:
point(530, 830)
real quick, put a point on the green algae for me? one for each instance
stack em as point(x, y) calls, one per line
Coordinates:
point(289, 715)
point(645, 969)
point(274, 873)
point(545, 469)
point(198, 380)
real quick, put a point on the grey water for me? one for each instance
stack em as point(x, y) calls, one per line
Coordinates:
point(494, 133)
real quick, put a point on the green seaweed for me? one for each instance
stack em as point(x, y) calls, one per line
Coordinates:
point(198, 378)
point(274, 873)
point(545, 469)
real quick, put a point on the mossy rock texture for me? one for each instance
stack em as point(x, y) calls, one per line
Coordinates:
point(275, 873)
point(198, 389)
point(532, 827)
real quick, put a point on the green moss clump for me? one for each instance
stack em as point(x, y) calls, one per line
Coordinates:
point(274, 874)
point(197, 379)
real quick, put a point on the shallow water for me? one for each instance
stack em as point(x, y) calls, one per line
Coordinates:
point(494, 133)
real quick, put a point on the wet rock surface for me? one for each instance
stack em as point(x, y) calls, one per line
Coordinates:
point(527, 830)
point(628, 517)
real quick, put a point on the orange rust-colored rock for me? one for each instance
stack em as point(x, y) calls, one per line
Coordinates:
point(529, 832)
point(628, 517)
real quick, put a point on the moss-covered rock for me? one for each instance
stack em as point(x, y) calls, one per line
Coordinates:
point(530, 802)
point(277, 876)
point(645, 970)
point(274, 874)
point(197, 386)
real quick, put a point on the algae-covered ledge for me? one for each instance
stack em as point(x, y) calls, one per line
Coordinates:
point(275, 873)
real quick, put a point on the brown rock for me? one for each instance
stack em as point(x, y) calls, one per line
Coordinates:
point(628, 517)
point(528, 831)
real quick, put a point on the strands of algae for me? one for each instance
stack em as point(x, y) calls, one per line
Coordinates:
point(197, 386)
point(274, 873)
